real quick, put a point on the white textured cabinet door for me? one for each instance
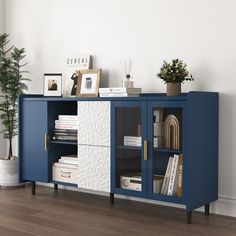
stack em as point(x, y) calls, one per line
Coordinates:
point(94, 168)
point(94, 123)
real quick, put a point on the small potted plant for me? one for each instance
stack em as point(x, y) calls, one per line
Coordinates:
point(11, 86)
point(174, 74)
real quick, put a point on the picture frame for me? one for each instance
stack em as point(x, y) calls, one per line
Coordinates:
point(88, 82)
point(73, 64)
point(52, 84)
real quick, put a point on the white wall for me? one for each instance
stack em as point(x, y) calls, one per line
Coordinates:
point(2, 30)
point(200, 32)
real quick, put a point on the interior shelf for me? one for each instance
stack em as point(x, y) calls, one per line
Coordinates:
point(129, 147)
point(64, 142)
point(167, 150)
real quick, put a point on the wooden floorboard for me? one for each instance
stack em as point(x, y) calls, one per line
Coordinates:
point(73, 213)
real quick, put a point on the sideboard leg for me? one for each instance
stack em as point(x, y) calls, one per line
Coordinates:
point(33, 187)
point(55, 187)
point(189, 217)
point(207, 209)
point(112, 198)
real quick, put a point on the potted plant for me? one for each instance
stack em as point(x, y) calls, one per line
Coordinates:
point(174, 74)
point(11, 86)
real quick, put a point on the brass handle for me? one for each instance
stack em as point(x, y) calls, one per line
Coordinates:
point(145, 152)
point(46, 142)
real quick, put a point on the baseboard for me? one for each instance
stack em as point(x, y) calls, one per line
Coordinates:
point(223, 206)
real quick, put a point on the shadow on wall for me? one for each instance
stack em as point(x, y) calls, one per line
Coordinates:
point(227, 137)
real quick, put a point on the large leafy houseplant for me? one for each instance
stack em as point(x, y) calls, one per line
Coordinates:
point(11, 86)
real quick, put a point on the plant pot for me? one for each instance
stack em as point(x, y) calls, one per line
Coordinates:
point(173, 89)
point(9, 173)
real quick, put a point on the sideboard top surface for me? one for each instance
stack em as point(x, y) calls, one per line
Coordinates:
point(142, 97)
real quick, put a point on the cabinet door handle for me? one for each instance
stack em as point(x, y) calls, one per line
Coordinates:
point(145, 150)
point(46, 142)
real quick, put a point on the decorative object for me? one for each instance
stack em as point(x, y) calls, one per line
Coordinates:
point(174, 74)
point(12, 84)
point(128, 81)
point(88, 82)
point(52, 84)
point(172, 132)
point(73, 64)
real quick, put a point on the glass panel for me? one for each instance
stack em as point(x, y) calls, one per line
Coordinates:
point(167, 151)
point(128, 148)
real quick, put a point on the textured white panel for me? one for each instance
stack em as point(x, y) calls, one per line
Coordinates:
point(94, 168)
point(94, 123)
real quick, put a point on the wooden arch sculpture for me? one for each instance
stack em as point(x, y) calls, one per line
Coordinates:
point(172, 132)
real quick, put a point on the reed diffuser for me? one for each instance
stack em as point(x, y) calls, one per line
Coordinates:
point(127, 81)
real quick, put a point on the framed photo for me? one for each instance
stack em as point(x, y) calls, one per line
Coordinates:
point(88, 82)
point(73, 64)
point(52, 84)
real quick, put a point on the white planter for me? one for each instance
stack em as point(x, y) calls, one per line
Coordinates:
point(9, 172)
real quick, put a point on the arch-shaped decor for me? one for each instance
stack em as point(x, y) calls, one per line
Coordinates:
point(172, 132)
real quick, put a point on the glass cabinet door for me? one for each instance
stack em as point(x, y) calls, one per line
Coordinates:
point(129, 148)
point(165, 166)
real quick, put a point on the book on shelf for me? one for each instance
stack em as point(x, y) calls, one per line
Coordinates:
point(64, 138)
point(180, 177)
point(166, 178)
point(74, 162)
point(65, 165)
point(68, 117)
point(158, 142)
point(70, 157)
point(65, 131)
point(118, 94)
point(66, 122)
point(120, 90)
point(158, 115)
point(132, 141)
point(170, 191)
point(73, 127)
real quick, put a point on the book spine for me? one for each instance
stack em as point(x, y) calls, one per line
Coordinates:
point(120, 90)
point(166, 179)
point(68, 117)
point(66, 122)
point(172, 175)
point(65, 165)
point(64, 158)
point(68, 162)
point(180, 177)
point(74, 127)
point(110, 90)
point(113, 94)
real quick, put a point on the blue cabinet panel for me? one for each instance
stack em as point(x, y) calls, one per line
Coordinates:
point(33, 127)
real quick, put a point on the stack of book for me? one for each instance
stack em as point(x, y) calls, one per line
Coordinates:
point(65, 128)
point(66, 169)
point(119, 92)
point(158, 128)
point(68, 161)
point(134, 141)
point(172, 184)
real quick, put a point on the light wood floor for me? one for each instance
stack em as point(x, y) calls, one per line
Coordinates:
point(73, 213)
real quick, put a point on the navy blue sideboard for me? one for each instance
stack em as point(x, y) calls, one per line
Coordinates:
point(129, 116)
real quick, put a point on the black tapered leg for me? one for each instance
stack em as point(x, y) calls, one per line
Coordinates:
point(112, 198)
point(55, 187)
point(189, 217)
point(33, 187)
point(207, 209)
